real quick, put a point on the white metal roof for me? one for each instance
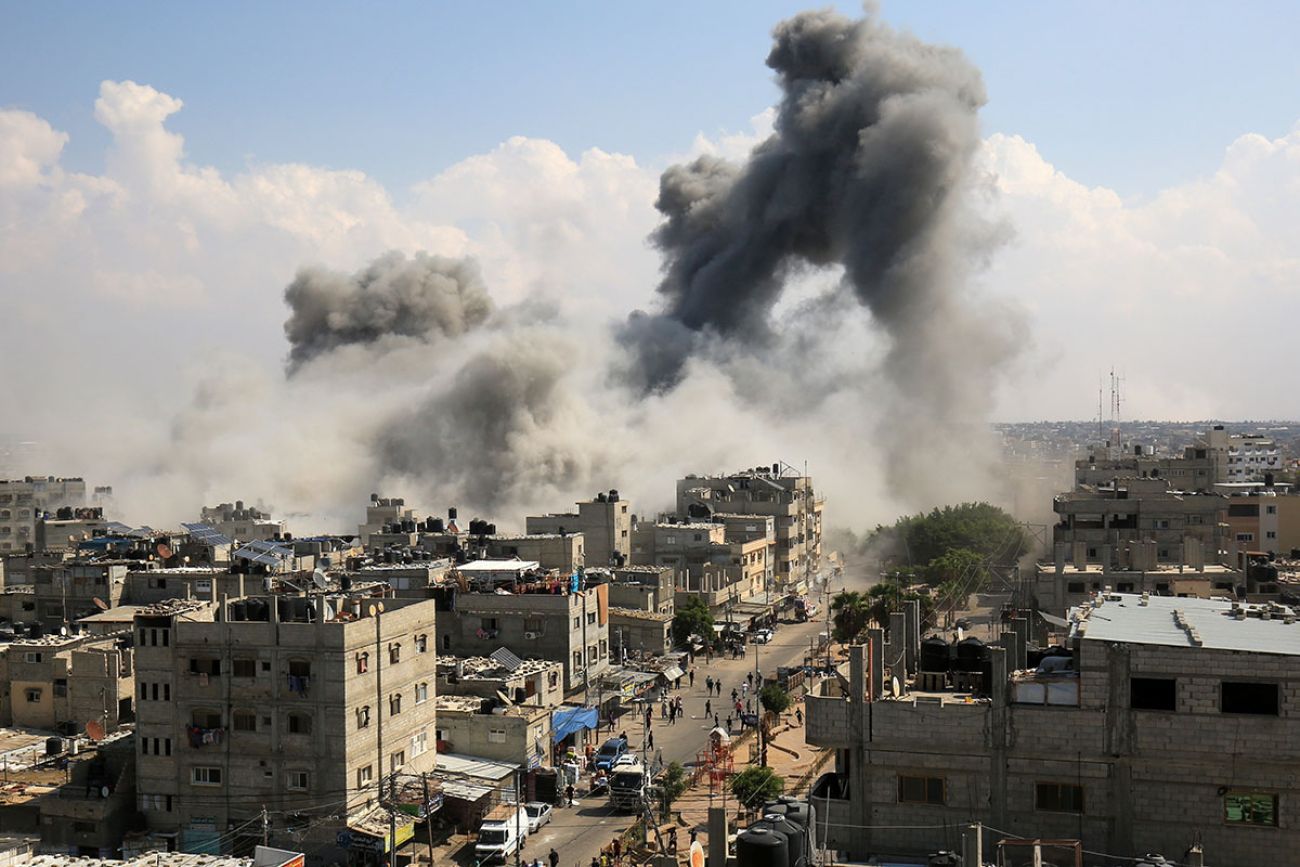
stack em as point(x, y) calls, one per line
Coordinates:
point(499, 566)
point(1122, 618)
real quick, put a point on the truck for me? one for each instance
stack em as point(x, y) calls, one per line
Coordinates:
point(627, 784)
point(502, 833)
point(610, 752)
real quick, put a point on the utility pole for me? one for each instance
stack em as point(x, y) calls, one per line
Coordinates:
point(392, 818)
point(266, 827)
point(428, 823)
point(375, 611)
point(518, 805)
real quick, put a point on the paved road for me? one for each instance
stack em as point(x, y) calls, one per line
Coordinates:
point(578, 833)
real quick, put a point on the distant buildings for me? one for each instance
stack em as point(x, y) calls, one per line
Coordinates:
point(242, 523)
point(605, 522)
point(23, 501)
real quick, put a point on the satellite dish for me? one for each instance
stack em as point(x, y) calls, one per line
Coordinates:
point(381, 608)
point(164, 551)
point(318, 578)
point(697, 854)
point(961, 634)
point(505, 699)
point(898, 690)
point(94, 730)
point(103, 791)
point(63, 631)
point(100, 604)
point(372, 610)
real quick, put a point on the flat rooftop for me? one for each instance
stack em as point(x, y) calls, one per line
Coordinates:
point(639, 614)
point(499, 566)
point(1171, 621)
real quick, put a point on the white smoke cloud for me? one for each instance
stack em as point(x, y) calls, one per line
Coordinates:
point(146, 301)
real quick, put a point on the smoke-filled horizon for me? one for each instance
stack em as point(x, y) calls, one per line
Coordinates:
point(816, 308)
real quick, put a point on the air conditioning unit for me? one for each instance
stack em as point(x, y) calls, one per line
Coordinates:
point(532, 635)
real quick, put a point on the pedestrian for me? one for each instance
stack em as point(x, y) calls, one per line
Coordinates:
point(715, 721)
point(735, 694)
point(708, 707)
point(708, 684)
point(693, 836)
point(663, 709)
point(618, 851)
point(692, 678)
point(728, 730)
point(568, 791)
point(595, 861)
point(650, 740)
point(672, 839)
point(554, 857)
point(677, 684)
point(798, 714)
point(750, 678)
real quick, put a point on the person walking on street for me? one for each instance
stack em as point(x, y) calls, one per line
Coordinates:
point(728, 728)
point(568, 791)
point(798, 714)
point(663, 708)
point(735, 694)
point(554, 857)
point(708, 684)
point(617, 846)
point(716, 724)
point(708, 707)
point(692, 678)
point(750, 678)
point(650, 740)
point(672, 839)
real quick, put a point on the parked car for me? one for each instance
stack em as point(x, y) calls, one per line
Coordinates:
point(539, 813)
point(503, 832)
point(610, 752)
point(762, 636)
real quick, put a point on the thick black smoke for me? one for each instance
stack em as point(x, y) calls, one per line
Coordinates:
point(873, 141)
point(427, 297)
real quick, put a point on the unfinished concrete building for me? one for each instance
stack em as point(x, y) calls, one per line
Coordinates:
point(605, 521)
point(1121, 740)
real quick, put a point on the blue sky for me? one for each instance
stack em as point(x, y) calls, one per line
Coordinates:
point(1134, 96)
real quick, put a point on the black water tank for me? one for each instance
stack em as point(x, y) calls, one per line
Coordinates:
point(970, 652)
point(795, 836)
point(761, 847)
point(451, 514)
point(35, 630)
point(437, 525)
point(936, 655)
point(53, 746)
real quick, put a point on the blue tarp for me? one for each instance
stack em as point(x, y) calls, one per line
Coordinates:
point(566, 721)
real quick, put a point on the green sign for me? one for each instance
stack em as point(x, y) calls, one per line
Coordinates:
point(1250, 808)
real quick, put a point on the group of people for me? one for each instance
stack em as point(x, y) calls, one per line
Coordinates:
point(671, 708)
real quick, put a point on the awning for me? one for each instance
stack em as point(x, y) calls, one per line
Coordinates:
point(1055, 621)
point(566, 721)
point(672, 672)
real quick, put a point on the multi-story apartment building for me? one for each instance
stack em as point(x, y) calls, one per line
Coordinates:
point(1169, 723)
point(640, 633)
point(380, 513)
point(605, 521)
point(64, 682)
point(789, 499)
point(1263, 519)
point(68, 590)
point(23, 500)
point(564, 553)
point(519, 735)
point(1197, 469)
point(244, 523)
point(299, 705)
point(539, 618)
point(644, 588)
point(704, 563)
point(1104, 520)
point(533, 681)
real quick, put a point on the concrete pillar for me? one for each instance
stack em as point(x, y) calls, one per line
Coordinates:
point(897, 644)
point(857, 683)
point(860, 738)
point(718, 830)
point(998, 737)
point(876, 662)
point(972, 846)
point(1080, 555)
point(1105, 552)
point(1021, 627)
point(913, 610)
point(1059, 554)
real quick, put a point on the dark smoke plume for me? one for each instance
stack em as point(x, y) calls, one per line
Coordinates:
point(427, 297)
point(874, 137)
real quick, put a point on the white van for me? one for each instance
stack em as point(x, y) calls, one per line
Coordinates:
point(502, 832)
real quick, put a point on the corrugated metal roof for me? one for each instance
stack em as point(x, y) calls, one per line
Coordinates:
point(1123, 619)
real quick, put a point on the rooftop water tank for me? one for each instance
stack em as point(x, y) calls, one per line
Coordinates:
point(936, 654)
point(762, 847)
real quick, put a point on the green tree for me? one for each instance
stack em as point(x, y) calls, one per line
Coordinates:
point(918, 540)
point(674, 782)
point(889, 596)
point(693, 618)
point(960, 566)
point(774, 698)
point(755, 785)
point(850, 614)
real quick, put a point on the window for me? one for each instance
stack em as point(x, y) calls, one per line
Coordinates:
point(446, 642)
point(1270, 510)
point(921, 790)
point(533, 624)
point(1074, 587)
point(200, 665)
point(421, 643)
point(591, 618)
point(299, 668)
point(421, 693)
point(32, 657)
point(577, 659)
point(577, 623)
point(1245, 537)
point(244, 721)
point(419, 744)
point(33, 695)
point(1250, 808)
point(206, 719)
point(1058, 798)
point(396, 760)
point(496, 736)
point(299, 724)
point(1254, 698)
point(394, 653)
point(1153, 693)
point(363, 663)
point(487, 624)
point(205, 776)
point(363, 716)
point(364, 777)
point(297, 781)
point(244, 668)
point(394, 704)
point(1270, 534)
point(60, 687)
point(156, 746)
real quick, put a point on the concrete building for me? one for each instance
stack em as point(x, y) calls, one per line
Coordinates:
point(533, 681)
point(1196, 469)
point(777, 492)
point(644, 588)
point(68, 590)
point(380, 513)
point(57, 683)
point(483, 727)
point(563, 553)
point(22, 501)
point(536, 618)
point(90, 814)
point(1121, 745)
point(1242, 457)
point(278, 702)
point(20, 568)
point(68, 527)
point(1061, 586)
point(1105, 520)
point(638, 633)
point(242, 523)
point(605, 521)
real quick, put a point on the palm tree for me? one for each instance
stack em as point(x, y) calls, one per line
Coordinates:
point(852, 613)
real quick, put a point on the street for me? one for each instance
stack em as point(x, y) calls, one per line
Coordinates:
point(578, 833)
